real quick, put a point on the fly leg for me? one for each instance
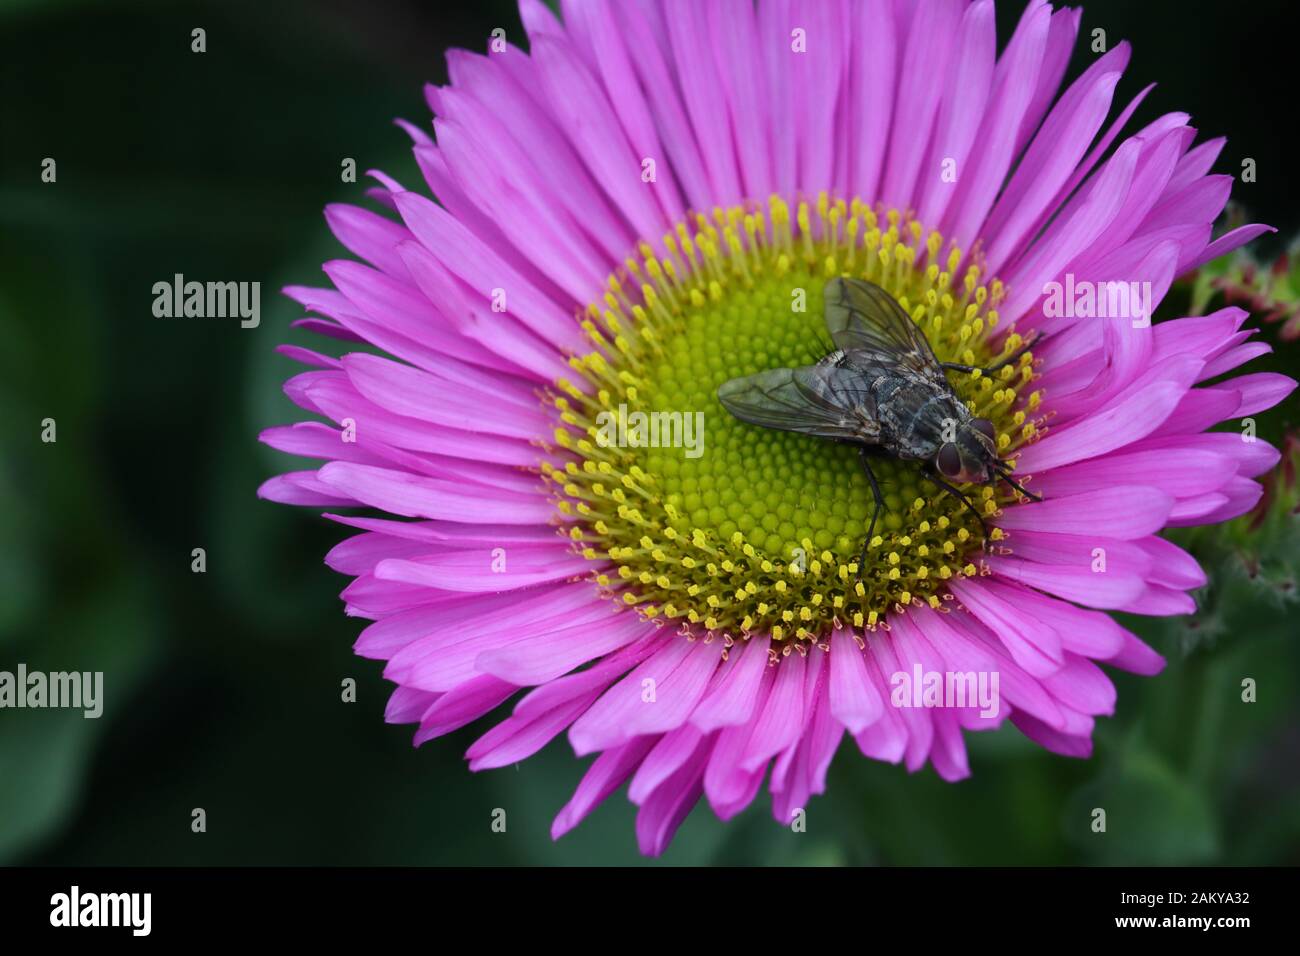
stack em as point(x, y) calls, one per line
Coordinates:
point(963, 499)
point(880, 503)
point(1000, 475)
point(1037, 339)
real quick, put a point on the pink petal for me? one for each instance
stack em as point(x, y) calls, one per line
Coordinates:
point(734, 698)
point(402, 493)
point(1125, 511)
point(854, 701)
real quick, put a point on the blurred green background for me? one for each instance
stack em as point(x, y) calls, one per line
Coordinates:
point(223, 689)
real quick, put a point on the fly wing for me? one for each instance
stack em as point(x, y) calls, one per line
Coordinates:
point(875, 333)
point(822, 400)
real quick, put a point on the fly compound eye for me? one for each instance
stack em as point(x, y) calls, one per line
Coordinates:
point(948, 461)
point(985, 428)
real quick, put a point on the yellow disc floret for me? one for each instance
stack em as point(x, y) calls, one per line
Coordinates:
point(731, 528)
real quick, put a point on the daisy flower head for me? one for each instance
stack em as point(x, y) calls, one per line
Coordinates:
point(555, 516)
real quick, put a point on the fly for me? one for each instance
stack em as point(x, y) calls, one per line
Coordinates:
point(883, 389)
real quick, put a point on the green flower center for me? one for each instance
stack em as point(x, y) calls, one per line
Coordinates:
point(732, 528)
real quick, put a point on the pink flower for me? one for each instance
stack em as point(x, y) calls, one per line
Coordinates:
point(691, 610)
